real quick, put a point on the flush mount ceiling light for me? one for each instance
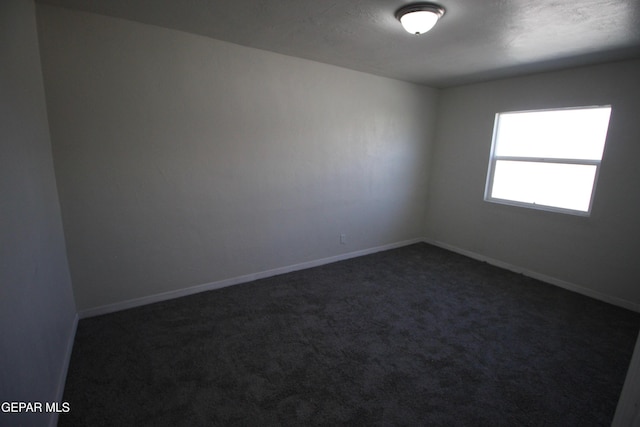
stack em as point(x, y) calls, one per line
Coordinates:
point(418, 18)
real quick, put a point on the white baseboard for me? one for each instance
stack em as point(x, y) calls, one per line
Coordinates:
point(123, 305)
point(53, 421)
point(539, 276)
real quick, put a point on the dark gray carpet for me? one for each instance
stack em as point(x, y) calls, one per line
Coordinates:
point(412, 336)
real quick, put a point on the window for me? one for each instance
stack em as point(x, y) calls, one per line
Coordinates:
point(547, 159)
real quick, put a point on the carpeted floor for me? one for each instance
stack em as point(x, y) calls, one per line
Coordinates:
point(412, 336)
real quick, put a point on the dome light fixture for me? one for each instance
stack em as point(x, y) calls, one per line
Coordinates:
point(418, 18)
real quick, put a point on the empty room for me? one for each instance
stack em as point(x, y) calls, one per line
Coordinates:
point(278, 212)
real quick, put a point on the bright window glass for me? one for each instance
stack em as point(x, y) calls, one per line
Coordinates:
point(547, 159)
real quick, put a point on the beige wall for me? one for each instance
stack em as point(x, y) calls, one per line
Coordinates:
point(599, 254)
point(183, 160)
point(37, 310)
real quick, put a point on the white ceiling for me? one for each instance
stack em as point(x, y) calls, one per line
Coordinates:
point(475, 40)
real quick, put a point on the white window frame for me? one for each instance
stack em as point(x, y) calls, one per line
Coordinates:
point(495, 158)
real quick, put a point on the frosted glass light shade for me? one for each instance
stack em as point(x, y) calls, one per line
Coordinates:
point(419, 22)
point(419, 18)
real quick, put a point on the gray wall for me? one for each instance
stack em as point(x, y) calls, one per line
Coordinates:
point(599, 253)
point(183, 160)
point(37, 310)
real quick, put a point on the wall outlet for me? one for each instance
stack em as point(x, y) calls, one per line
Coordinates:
point(343, 239)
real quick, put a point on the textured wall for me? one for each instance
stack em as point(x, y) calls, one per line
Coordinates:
point(183, 160)
point(37, 310)
point(599, 253)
